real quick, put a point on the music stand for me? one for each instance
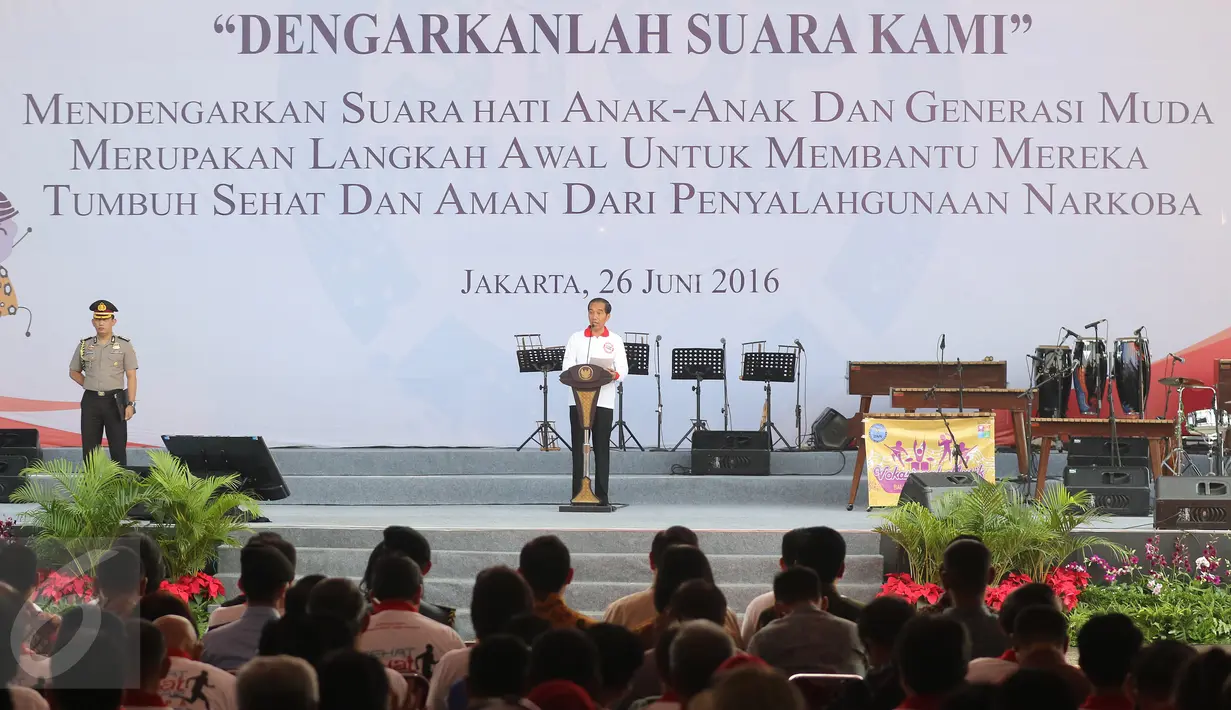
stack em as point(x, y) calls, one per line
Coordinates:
point(697, 364)
point(533, 357)
point(760, 366)
point(637, 348)
point(247, 456)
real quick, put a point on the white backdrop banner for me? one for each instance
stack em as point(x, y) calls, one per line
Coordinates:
point(323, 221)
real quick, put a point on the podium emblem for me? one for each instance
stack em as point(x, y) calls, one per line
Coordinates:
point(585, 373)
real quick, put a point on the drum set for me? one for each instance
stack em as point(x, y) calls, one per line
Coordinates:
point(1086, 368)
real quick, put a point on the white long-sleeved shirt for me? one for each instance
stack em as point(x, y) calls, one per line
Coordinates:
point(586, 347)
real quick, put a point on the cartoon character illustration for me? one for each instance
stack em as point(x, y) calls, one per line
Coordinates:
point(10, 238)
point(897, 452)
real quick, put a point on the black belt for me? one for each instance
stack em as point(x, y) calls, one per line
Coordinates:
point(108, 393)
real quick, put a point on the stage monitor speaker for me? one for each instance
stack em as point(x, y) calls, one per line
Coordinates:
point(1123, 490)
point(1192, 503)
point(1099, 447)
point(927, 489)
point(247, 456)
point(733, 453)
point(21, 442)
point(831, 431)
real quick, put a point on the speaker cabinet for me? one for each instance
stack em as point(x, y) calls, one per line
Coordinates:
point(1192, 503)
point(728, 452)
point(927, 489)
point(20, 443)
point(1123, 490)
point(831, 431)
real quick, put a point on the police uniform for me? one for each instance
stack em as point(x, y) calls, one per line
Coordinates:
point(106, 396)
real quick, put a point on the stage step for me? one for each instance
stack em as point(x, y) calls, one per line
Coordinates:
point(608, 563)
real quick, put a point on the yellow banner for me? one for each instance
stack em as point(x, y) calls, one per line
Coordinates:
point(896, 448)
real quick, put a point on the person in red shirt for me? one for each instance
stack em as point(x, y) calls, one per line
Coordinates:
point(931, 655)
point(1106, 648)
point(152, 666)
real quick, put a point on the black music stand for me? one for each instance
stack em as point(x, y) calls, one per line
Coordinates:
point(697, 364)
point(637, 348)
point(247, 456)
point(533, 357)
point(760, 366)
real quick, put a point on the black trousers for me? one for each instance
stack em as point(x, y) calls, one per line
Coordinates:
point(600, 442)
point(105, 412)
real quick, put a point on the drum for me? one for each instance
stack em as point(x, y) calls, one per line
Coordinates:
point(1090, 374)
point(1053, 380)
point(1207, 422)
point(1131, 369)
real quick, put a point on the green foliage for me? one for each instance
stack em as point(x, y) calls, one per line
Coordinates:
point(1031, 537)
point(1184, 609)
point(193, 515)
point(80, 510)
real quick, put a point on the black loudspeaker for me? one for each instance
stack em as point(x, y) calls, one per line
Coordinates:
point(831, 431)
point(1123, 490)
point(740, 453)
point(18, 444)
point(927, 489)
point(1192, 503)
point(247, 456)
point(1100, 447)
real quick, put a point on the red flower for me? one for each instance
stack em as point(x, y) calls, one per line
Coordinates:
point(199, 585)
point(901, 585)
point(1068, 583)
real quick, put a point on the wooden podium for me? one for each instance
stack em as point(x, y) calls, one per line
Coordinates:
point(586, 380)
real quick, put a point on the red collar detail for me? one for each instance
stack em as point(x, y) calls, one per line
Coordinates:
point(669, 697)
point(604, 334)
point(1108, 702)
point(1010, 655)
point(176, 653)
point(922, 702)
point(141, 699)
point(394, 606)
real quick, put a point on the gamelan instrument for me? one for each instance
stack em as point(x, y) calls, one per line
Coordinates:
point(1159, 432)
point(1053, 379)
point(1090, 374)
point(1131, 370)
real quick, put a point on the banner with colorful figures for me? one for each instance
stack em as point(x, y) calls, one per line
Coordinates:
point(898, 447)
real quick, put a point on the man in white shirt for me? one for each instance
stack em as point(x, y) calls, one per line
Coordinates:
point(596, 345)
point(189, 683)
point(397, 634)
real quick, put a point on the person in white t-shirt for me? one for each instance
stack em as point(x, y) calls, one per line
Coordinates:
point(189, 683)
point(396, 633)
point(598, 346)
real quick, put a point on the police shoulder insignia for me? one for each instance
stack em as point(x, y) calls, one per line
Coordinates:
point(120, 337)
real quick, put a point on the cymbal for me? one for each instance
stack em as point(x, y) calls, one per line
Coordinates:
point(1181, 382)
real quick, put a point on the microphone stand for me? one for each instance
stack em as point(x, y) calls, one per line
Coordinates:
point(799, 422)
point(1111, 409)
point(726, 406)
point(658, 381)
point(957, 448)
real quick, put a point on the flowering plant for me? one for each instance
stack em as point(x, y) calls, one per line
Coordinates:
point(199, 586)
point(1068, 582)
point(54, 588)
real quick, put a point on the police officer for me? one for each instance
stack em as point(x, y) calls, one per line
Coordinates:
point(101, 365)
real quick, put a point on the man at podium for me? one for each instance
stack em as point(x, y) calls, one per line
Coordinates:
point(600, 347)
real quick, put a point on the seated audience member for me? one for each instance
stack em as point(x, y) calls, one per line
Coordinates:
point(150, 666)
point(119, 581)
point(1040, 642)
point(565, 654)
point(931, 655)
point(156, 605)
point(680, 564)
point(662, 696)
point(638, 608)
point(1034, 689)
point(546, 567)
point(147, 549)
point(412, 543)
point(351, 680)
point(979, 696)
point(1032, 594)
point(1156, 673)
point(697, 652)
point(880, 623)
point(189, 683)
point(822, 550)
point(560, 695)
point(1107, 646)
point(282, 635)
point(281, 682)
point(12, 604)
point(264, 574)
point(966, 572)
point(806, 638)
point(693, 600)
point(92, 678)
point(1202, 682)
point(233, 608)
point(397, 634)
point(19, 570)
point(499, 673)
point(499, 595)
point(526, 627)
point(340, 601)
point(620, 657)
point(756, 687)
